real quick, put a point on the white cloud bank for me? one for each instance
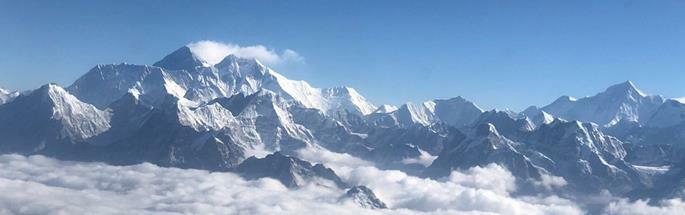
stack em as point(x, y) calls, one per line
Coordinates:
point(480, 190)
point(41, 185)
point(213, 52)
point(639, 207)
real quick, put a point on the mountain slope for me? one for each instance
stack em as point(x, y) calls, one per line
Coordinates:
point(105, 84)
point(328, 100)
point(483, 145)
point(456, 112)
point(583, 155)
point(266, 119)
point(47, 116)
point(506, 125)
point(668, 114)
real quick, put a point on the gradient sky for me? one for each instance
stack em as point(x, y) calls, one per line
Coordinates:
point(499, 54)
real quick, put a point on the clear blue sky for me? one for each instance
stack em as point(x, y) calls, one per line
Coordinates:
point(499, 54)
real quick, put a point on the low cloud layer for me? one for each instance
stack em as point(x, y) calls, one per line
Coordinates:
point(639, 207)
point(478, 190)
point(41, 185)
point(213, 52)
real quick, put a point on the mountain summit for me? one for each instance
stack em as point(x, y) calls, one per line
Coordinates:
point(626, 88)
point(619, 102)
point(49, 115)
point(181, 59)
point(186, 76)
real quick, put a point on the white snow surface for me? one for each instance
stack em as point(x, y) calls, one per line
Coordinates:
point(263, 124)
point(619, 102)
point(652, 170)
point(7, 95)
point(328, 100)
point(455, 111)
point(80, 120)
point(229, 77)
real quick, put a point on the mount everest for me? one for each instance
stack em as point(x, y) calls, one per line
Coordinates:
point(240, 116)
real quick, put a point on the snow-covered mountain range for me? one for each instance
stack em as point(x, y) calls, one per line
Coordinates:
point(620, 102)
point(185, 112)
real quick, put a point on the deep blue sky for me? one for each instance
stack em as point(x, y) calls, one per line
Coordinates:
point(499, 54)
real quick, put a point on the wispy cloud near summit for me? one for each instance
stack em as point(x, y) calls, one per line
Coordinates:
point(213, 52)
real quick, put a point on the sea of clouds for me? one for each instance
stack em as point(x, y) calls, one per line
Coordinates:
point(42, 185)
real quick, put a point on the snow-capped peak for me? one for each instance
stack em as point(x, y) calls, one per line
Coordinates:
point(252, 64)
point(182, 59)
point(411, 113)
point(537, 116)
point(625, 88)
point(186, 75)
point(248, 75)
point(328, 100)
point(192, 56)
point(7, 96)
point(80, 120)
point(350, 99)
point(506, 124)
point(455, 112)
point(619, 102)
